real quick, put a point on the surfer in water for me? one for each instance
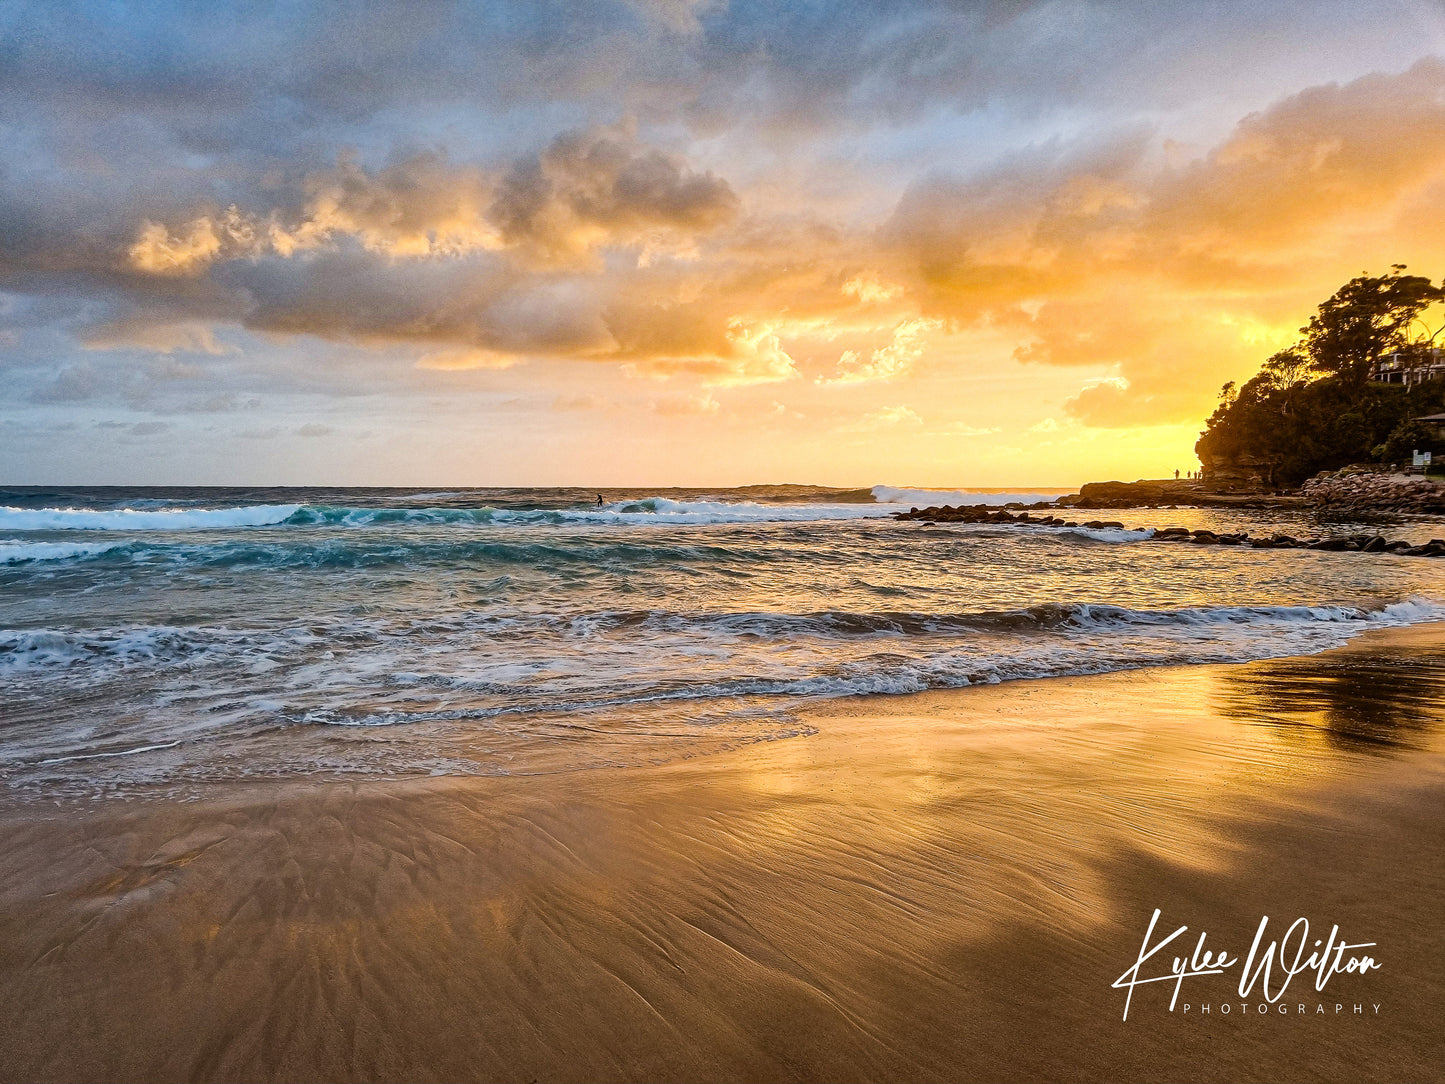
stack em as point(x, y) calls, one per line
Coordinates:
point(599, 500)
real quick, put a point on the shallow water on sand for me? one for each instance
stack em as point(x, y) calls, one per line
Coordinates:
point(933, 887)
point(164, 640)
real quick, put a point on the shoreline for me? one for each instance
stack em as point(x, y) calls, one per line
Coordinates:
point(941, 885)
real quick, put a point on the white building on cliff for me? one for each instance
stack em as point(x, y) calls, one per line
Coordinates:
point(1409, 367)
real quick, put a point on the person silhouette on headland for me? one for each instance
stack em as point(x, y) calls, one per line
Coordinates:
point(1176, 476)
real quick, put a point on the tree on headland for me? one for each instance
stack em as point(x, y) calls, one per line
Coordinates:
point(1313, 406)
point(1366, 319)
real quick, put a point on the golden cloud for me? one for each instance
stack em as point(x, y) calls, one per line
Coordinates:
point(1169, 276)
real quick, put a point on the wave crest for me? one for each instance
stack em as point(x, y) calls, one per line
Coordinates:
point(15, 552)
point(925, 498)
point(143, 519)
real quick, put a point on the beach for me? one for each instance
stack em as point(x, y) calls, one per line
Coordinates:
point(938, 886)
point(683, 541)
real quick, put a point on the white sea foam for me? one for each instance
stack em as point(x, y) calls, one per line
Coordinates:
point(648, 511)
point(924, 498)
point(115, 753)
point(1064, 617)
point(104, 649)
point(512, 637)
point(1122, 640)
point(1104, 534)
point(61, 648)
point(13, 551)
point(666, 511)
point(1033, 633)
point(663, 510)
point(643, 512)
point(508, 693)
point(136, 519)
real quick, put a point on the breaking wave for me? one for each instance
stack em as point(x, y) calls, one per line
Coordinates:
point(1240, 632)
point(14, 552)
point(924, 498)
point(647, 511)
point(159, 636)
point(642, 511)
point(143, 519)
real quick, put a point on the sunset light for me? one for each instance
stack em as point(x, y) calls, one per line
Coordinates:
point(918, 245)
point(732, 541)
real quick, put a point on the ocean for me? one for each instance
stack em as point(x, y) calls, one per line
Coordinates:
point(160, 641)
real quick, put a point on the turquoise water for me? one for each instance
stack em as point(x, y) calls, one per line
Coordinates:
point(165, 640)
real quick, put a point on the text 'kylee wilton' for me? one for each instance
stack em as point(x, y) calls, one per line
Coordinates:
point(1272, 968)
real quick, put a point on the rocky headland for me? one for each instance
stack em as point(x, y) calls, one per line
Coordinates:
point(1373, 491)
point(1359, 488)
point(1168, 493)
point(1368, 542)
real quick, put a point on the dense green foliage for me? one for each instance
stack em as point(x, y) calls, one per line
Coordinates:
point(1313, 407)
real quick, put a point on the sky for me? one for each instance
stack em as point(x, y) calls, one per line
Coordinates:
point(684, 242)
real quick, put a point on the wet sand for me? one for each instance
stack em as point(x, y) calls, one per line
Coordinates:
point(934, 887)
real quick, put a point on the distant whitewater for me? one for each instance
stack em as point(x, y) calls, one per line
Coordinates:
point(157, 640)
point(997, 497)
point(470, 507)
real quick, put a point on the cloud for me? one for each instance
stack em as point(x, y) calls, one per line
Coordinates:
point(681, 405)
point(868, 288)
point(889, 362)
point(724, 194)
point(225, 403)
point(679, 16)
point(74, 383)
point(1179, 275)
point(458, 359)
point(476, 306)
point(588, 189)
point(158, 251)
point(186, 337)
point(486, 267)
point(1330, 158)
point(567, 404)
point(888, 417)
point(963, 429)
point(211, 82)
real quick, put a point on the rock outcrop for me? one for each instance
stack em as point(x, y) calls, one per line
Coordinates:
point(1165, 493)
point(1356, 543)
point(1375, 491)
point(1238, 474)
point(1122, 495)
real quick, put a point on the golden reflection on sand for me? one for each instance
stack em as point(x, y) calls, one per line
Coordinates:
point(941, 886)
